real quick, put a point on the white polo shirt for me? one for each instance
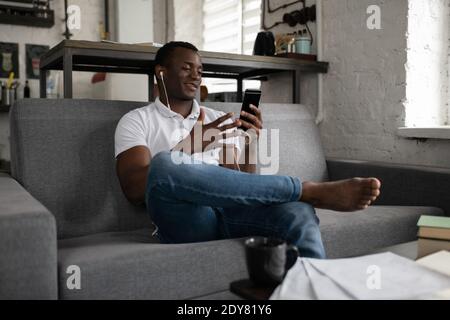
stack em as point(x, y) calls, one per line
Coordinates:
point(158, 128)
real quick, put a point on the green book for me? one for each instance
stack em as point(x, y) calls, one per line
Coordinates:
point(434, 222)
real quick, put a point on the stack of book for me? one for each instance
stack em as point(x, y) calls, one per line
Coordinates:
point(434, 235)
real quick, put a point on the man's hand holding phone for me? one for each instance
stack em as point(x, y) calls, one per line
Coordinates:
point(250, 116)
point(252, 120)
point(205, 136)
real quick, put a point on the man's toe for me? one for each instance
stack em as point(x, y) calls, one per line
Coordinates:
point(375, 183)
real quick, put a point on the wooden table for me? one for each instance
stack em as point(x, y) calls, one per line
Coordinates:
point(73, 55)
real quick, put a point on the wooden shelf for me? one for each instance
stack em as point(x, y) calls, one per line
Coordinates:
point(298, 56)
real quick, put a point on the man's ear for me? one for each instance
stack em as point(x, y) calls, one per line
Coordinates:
point(158, 70)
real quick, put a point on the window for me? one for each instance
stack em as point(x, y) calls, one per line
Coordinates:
point(427, 112)
point(427, 64)
point(230, 26)
point(448, 66)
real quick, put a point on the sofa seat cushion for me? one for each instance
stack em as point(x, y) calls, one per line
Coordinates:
point(355, 233)
point(133, 265)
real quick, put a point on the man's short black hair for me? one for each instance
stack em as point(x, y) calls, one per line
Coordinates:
point(165, 52)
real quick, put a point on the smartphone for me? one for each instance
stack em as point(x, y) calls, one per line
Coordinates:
point(251, 96)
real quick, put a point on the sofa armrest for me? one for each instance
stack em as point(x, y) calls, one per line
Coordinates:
point(402, 185)
point(28, 247)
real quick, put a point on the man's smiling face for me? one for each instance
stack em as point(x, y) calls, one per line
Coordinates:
point(183, 74)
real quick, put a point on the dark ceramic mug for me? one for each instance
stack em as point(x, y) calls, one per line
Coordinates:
point(268, 260)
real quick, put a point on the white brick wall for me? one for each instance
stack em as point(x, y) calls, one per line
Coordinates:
point(365, 88)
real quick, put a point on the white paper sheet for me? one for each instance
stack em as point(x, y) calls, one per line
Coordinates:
point(296, 285)
point(378, 276)
point(324, 287)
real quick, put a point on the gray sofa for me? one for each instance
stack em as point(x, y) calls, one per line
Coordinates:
point(63, 206)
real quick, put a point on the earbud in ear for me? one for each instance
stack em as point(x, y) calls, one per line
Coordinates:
point(161, 74)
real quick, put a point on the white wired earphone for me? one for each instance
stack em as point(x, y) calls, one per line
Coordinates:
point(161, 74)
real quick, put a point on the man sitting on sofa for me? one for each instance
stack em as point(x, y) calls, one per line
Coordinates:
point(203, 197)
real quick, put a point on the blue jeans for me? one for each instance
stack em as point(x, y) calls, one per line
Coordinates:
point(202, 202)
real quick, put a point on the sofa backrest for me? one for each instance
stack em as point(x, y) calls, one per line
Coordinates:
point(300, 148)
point(62, 152)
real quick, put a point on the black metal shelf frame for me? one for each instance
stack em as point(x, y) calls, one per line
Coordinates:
point(27, 16)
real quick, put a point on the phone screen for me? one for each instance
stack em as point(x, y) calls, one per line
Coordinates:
point(250, 97)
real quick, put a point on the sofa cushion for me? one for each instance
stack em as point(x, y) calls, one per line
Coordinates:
point(132, 265)
point(354, 233)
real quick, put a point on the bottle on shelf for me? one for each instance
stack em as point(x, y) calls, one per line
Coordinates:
point(291, 42)
point(26, 90)
point(5, 95)
point(13, 92)
point(303, 42)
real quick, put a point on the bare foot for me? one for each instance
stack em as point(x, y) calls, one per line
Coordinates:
point(344, 195)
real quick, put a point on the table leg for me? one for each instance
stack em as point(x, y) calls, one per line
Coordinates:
point(296, 86)
point(43, 83)
point(67, 70)
point(150, 86)
point(239, 89)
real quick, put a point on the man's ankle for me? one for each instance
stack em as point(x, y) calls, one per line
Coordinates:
point(308, 192)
